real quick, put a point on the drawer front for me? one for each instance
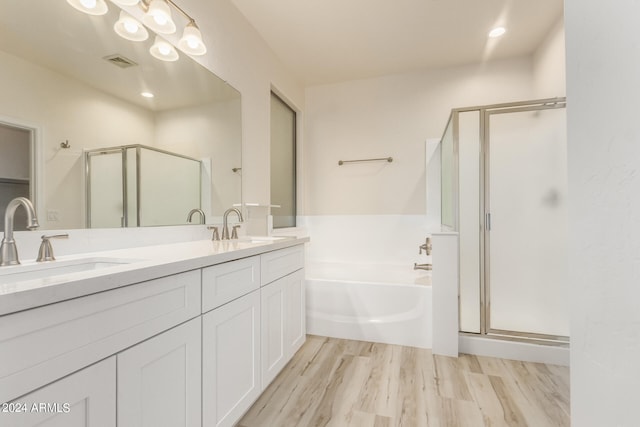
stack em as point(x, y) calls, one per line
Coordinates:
point(277, 264)
point(46, 343)
point(225, 282)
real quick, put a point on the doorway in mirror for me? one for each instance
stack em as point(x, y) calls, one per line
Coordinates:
point(15, 144)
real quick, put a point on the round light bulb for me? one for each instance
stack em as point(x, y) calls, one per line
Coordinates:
point(131, 27)
point(90, 7)
point(164, 49)
point(160, 19)
point(191, 41)
point(497, 32)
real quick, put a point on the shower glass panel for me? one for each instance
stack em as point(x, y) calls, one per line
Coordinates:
point(137, 186)
point(468, 218)
point(182, 183)
point(526, 197)
point(448, 177)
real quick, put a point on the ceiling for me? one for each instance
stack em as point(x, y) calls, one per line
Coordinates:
point(75, 44)
point(325, 41)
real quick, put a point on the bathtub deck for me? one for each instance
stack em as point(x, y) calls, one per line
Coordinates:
point(334, 382)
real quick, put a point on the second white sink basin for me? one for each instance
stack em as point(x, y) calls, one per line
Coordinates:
point(262, 239)
point(42, 270)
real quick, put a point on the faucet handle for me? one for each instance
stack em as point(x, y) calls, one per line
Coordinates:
point(215, 235)
point(45, 253)
point(426, 246)
point(234, 232)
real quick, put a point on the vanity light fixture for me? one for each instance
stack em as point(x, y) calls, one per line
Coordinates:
point(158, 17)
point(497, 32)
point(90, 7)
point(191, 41)
point(163, 50)
point(129, 28)
point(147, 94)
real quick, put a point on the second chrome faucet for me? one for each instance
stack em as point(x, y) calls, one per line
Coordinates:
point(225, 225)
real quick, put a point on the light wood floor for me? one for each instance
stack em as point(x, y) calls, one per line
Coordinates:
point(341, 383)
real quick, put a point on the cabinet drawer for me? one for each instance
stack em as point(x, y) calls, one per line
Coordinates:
point(47, 343)
point(277, 264)
point(225, 282)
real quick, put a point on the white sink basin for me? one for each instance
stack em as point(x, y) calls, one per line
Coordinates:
point(262, 239)
point(42, 270)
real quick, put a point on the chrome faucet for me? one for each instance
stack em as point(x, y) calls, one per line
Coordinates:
point(427, 247)
point(200, 211)
point(8, 250)
point(225, 227)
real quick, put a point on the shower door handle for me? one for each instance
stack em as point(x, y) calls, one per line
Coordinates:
point(487, 221)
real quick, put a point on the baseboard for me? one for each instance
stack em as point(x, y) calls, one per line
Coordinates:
point(528, 352)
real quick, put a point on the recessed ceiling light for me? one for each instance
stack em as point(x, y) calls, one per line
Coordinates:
point(147, 94)
point(497, 32)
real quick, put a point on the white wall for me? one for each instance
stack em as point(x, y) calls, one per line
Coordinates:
point(391, 116)
point(66, 110)
point(209, 132)
point(603, 89)
point(549, 69)
point(238, 55)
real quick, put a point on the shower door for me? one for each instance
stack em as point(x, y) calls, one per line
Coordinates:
point(525, 222)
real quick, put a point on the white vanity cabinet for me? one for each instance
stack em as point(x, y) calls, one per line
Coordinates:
point(191, 349)
point(231, 360)
point(86, 398)
point(230, 340)
point(282, 306)
point(159, 380)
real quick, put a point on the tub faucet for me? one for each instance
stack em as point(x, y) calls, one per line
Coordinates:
point(8, 250)
point(200, 211)
point(225, 227)
point(426, 246)
point(427, 267)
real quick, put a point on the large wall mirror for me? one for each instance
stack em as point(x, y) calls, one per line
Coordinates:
point(70, 85)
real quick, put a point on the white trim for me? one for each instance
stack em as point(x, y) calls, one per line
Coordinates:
point(515, 350)
point(36, 163)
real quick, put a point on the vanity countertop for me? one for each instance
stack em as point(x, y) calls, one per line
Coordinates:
point(142, 264)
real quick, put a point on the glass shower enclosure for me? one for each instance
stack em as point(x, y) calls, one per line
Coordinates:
point(138, 186)
point(504, 190)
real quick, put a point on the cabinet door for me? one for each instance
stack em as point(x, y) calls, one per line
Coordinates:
point(159, 381)
point(230, 360)
point(295, 312)
point(85, 398)
point(274, 342)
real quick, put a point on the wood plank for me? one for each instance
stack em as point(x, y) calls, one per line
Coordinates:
point(341, 383)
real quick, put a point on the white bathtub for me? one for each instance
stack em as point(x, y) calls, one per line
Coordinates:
point(381, 303)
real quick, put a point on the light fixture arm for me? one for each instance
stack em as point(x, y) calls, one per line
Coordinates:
point(145, 6)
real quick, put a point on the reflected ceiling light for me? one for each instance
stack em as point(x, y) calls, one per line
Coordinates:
point(497, 32)
point(147, 94)
point(126, 2)
point(158, 17)
point(129, 28)
point(163, 50)
point(191, 41)
point(90, 7)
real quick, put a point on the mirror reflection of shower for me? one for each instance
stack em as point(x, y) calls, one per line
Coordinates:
point(138, 186)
